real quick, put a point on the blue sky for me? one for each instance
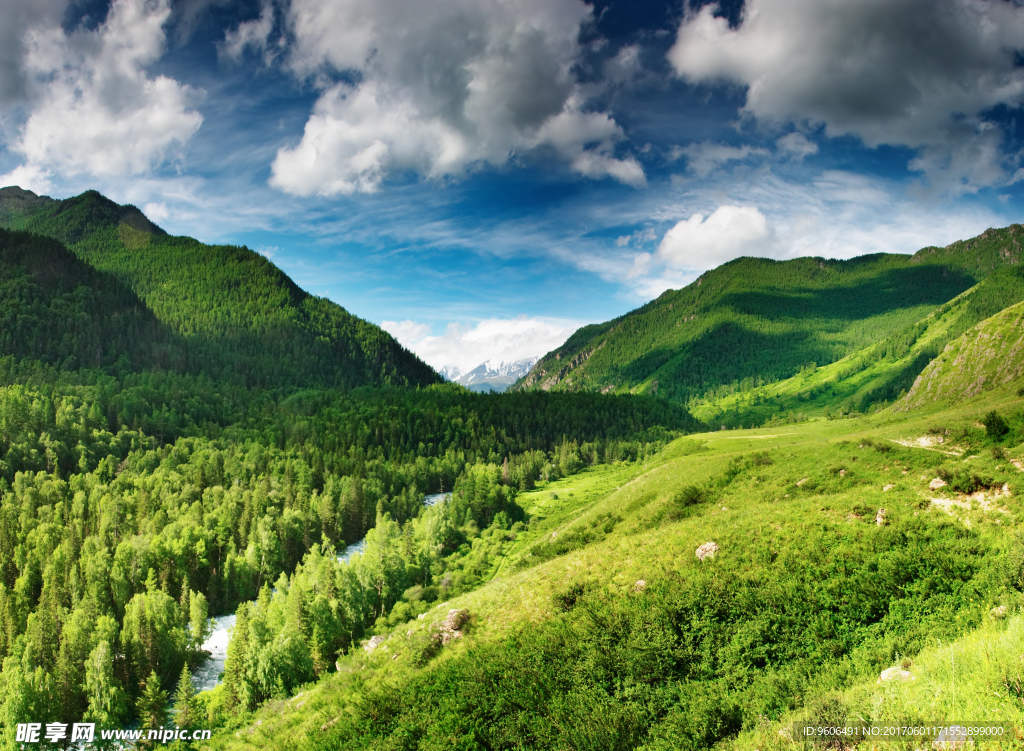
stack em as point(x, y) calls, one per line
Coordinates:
point(481, 177)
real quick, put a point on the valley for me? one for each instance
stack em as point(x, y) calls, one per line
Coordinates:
point(782, 494)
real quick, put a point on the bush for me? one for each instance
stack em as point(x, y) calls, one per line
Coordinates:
point(964, 481)
point(995, 425)
point(689, 495)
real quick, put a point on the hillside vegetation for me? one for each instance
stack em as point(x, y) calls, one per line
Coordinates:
point(755, 321)
point(601, 628)
point(990, 355)
point(244, 319)
point(869, 379)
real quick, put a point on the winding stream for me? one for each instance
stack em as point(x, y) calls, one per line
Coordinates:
point(209, 674)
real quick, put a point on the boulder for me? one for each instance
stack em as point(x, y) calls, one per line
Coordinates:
point(880, 517)
point(456, 619)
point(707, 550)
point(887, 488)
point(374, 642)
point(450, 628)
point(640, 585)
point(936, 484)
point(801, 482)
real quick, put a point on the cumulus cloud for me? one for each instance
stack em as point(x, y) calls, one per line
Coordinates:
point(441, 87)
point(731, 231)
point(94, 109)
point(16, 20)
point(495, 339)
point(917, 73)
point(704, 158)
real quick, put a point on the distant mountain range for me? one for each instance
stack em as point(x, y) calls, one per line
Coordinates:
point(489, 376)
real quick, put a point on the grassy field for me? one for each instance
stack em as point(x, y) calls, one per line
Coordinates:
point(794, 512)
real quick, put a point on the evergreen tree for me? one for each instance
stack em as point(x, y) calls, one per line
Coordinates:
point(187, 708)
point(199, 621)
point(152, 705)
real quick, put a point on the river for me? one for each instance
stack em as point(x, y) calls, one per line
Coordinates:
point(209, 674)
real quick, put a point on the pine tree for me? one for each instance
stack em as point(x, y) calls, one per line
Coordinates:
point(199, 620)
point(235, 664)
point(185, 702)
point(152, 705)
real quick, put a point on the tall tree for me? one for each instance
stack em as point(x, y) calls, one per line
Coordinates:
point(186, 707)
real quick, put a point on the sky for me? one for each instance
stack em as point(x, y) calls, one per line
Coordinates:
point(482, 177)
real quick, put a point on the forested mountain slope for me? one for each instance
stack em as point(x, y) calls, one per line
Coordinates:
point(60, 311)
point(251, 322)
point(758, 320)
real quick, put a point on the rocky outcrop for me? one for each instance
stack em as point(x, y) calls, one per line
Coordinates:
point(374, 642)
point(451, 627)
point(895, 674)
point(547, 380)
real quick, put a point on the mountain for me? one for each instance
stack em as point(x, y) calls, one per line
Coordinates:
point(988, 356)
point(869, 379)
point(245, 318)
point(754, 321)
point(450, 372)
point(495, 376)
point(57, 310)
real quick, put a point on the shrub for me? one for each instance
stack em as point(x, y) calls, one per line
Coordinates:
point(995, 425)
point(964, 481)
point(689, 495)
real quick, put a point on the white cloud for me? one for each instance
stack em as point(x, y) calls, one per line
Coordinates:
point(731, 231)
point(93, 108)
point(494, 339)
point(440, 88)
point(917, 73)
point(29, 177)
point(796, 146)
point(253, 34)
point(704, 158)
point(156, 212)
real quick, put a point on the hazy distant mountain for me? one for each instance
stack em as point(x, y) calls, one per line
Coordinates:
point(450, 372)
point(496, 375)
point(491, 375)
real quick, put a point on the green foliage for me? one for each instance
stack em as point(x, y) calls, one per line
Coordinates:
point(234, 315)
point(152, 704)
point(186, 706)
point(751, 322)
point(962, 480)
point(995, 425)
point(695, 655)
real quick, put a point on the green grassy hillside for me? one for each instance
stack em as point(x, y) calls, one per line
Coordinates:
point(755, 321)
point(601, 628)
point(989, 355)
point(250, 322)
point(868, 379)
